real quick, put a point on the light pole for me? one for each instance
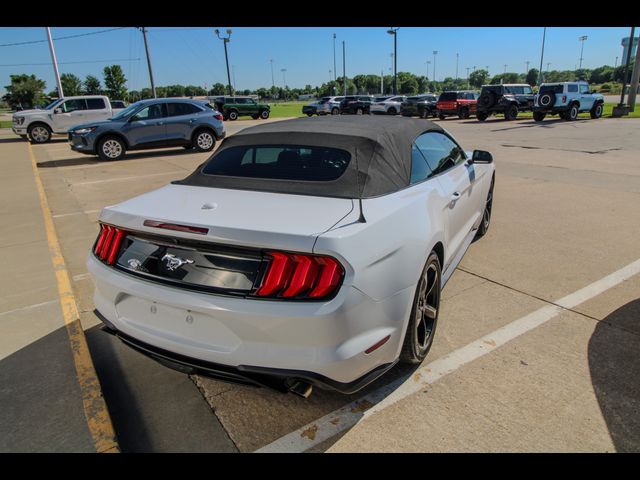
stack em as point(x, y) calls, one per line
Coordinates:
point(428, 63)
point(468, 86)
point(540, 76)
point(284, 82)
point(344, 71)
point(55, 64)
point(334, 57)
point(225, 40)
point(435, 52)
point(394, 32)
point(457, 58)
point(548, 64)
point(273, 82)
point(330, 76)
point(526, 71)
point(615, 64)
point(582, 39)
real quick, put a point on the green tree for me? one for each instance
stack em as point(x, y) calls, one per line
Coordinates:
point(25, 90)
point(218, 89)
point(601, 74)
point(92, 85)
point(115, 82)
point(478, 78)
point(175, 91)
point(532, 77)
point(71, 85)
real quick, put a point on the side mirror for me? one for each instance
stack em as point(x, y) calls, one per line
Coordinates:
point(57, 110)
point(481, 156)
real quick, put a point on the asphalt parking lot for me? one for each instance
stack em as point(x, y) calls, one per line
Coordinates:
point(537, 341)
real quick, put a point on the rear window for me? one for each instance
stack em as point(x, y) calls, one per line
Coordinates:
point(95, 104)
point(551, 88)
point(446, 96)
point(282, 162)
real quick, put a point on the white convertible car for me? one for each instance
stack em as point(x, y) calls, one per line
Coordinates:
point(303, 252)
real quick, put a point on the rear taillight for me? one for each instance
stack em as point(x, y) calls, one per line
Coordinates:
point(564, 98)
point(218, 117)
point(108, 243)
point(293, 275)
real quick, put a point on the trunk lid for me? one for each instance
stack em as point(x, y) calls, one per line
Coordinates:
point(239, 218)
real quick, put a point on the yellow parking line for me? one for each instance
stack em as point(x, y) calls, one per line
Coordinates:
point(95, 408)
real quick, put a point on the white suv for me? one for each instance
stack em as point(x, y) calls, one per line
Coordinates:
point(567, 99)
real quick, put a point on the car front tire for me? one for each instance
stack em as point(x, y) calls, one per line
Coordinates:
point(511, 113)
point(111, 148)
point(572, 113)
point(264, 114)
point(463, 113)
point(39, 133)
point(482, 116)
point(539, 116)
point(596, 111)
point(424, 313)
point(233, 115)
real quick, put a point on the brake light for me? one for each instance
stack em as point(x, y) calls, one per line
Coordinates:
point(564, 98)
point(176, 227)
point(218, 117)
point(292, 275)
point(108, 243)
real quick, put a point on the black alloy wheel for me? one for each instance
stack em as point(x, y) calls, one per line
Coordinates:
point(424, 313)
point(486, 215)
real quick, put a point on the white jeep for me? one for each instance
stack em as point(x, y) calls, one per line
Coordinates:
point(567, 99)
point(59, 116)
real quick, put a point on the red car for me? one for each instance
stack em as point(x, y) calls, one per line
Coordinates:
point(460, 103)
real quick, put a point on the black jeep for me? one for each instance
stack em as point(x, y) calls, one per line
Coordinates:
point(357, 104)
point(508, 99)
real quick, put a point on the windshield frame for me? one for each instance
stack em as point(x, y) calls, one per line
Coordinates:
point(53, 104)
point(124, 114)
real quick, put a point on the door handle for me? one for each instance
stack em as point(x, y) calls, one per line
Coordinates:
point(160, 123)
point(455, 196)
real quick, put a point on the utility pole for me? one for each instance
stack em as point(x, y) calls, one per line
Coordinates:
point(527, 69)
point(540, 76)
point(615, 64)
point(225, 40)
point(382, 82)
point(146, 47)
point(344, 71)
point(273, 82)
point(334, 58)
point(621, 108)
point(635, 79)
point(457, 58)
point(55, 63)
point(582, 39)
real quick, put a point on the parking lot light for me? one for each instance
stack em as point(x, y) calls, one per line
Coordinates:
point(394, 32)
point(225, 40)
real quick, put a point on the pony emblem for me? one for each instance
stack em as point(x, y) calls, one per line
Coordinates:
point(173, 262)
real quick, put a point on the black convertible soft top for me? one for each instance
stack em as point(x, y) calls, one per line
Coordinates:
point(380, 148)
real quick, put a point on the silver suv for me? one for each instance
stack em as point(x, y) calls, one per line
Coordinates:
point(567, 99)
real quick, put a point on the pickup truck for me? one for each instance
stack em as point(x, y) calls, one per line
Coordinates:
point(60, 115)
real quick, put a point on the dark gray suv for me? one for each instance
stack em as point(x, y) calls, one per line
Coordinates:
point(157, 123)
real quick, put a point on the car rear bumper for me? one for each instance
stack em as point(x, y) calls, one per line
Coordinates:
point(323, 343)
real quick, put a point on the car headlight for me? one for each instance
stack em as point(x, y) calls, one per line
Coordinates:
point(18, 120)
point(84, 131)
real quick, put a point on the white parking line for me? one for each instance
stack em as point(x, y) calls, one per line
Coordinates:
point(346, 417)
point(130, 178)
point(84, 212)
point(28, 307)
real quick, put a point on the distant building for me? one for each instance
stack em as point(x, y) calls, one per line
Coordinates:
point(625, 50)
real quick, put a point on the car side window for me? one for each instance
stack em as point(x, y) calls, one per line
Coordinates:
point(419, 168)
point(74, 105)
point(584, 88)
point(149, 113)
point(179, 109)
point(440, 152)
point(528, 90)
point(96, 104)
point(572, 88)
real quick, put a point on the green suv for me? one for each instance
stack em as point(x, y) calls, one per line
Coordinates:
point(234, 107)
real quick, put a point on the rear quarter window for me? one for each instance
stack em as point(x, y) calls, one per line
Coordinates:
point(282, 162)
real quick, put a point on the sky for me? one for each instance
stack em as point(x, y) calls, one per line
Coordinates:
point(194, 55)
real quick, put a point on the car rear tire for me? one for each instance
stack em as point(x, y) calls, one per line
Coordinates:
point(596, 111)
point(539, 116)
point(204, 140)
point(111, 148)
point(482, 116)
point(264, 114)
point(335, 111)
point(441, 116)
point(424, 313)
point(392, 111)
point(359, 111)
point(511, 113)
point(571, 114)
point(463, 113)
point(486, 215)
point(39, 133)
point(232, 115)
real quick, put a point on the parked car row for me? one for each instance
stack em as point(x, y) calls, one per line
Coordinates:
point(566, 99)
